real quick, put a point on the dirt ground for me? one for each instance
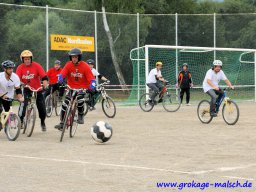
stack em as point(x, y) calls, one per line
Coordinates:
point(146, 148)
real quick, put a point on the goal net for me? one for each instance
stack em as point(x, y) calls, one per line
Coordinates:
point(238, 65)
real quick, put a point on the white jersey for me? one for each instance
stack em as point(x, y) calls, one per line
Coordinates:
point(214, 77)
point(8, 85)
point(152, 76)
point(95, 72)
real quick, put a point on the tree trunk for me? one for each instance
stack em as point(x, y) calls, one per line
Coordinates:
point(112, 50)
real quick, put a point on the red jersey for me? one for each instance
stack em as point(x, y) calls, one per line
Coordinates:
point(53, 75)
point(78, 76)
point(31, 75)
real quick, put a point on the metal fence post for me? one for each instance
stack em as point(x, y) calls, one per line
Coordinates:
point(47, 37)
point(214, 34)
point(138, 54)
point(96, 43)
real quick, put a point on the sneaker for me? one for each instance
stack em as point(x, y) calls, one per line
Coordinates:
point(59, 126)
point(188, 104)
point(21, 124)
point(92, 108)
point(213, 114)
point(80, 119)
point(48, 110)
point(43, 126)
point(160, 100)
point(150, 102)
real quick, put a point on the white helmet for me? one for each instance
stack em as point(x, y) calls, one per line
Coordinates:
point(217, 63)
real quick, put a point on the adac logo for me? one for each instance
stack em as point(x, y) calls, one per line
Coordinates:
point(60, 39)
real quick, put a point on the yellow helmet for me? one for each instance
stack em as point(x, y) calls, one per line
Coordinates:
point(159, 63)
point(26, 53)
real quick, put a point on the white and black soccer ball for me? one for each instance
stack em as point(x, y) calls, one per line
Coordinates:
point(101, 132)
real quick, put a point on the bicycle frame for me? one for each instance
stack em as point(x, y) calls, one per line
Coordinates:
point(72, 104)
point(225, 98)
point(5, 117)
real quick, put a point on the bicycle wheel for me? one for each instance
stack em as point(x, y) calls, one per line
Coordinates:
point(49, 106)
point(12, 128)
point(203, 112)
point(171, 102)
point(57, 105)
point(109, 107)
point(230, 112)
point(30, 120)
point(86, 108)
point(145, 104)
point(66, 124)
point(74, 124)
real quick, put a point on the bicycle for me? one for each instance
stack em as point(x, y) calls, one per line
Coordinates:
point(71, 115)
point(170, 101)
point(229, 108)
point(30, 115)
point(107, 103)
point(53, 101)
point(10, 122)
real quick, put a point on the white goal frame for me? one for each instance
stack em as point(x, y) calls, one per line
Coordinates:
point(192, 48)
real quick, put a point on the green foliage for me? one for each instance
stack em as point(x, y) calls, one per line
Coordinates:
point(24, 28)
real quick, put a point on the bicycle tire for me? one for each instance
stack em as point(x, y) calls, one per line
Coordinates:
point(224, 112)
point(73, 123)
point(9, 126)
point(66, 123)
point(107, 104)
point(143, 101)
point(49, 105)
point(57, 105)
point(86, 108)
point(204, 111)
point(171, 102)
point(31, 111)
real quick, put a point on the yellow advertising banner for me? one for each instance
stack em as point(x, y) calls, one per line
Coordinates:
point(67, 42)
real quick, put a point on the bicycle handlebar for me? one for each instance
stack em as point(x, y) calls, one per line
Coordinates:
point(12, 99)
point(102, 84)
point(4, 94)
point(81, 89)
point(32, 89)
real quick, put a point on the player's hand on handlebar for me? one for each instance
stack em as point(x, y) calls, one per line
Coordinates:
point(216, 88)
point(232, 87)
point(107, 81)
point(20, 98)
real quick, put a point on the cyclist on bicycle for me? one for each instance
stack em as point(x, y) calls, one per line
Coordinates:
point(31, 73)
point(52, 74)
point(9, 82)
point(79, 76)
point(96, 93)
point(211, 84)
point(155, 81)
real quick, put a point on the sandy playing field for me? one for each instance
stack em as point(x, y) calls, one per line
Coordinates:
point(146, 148)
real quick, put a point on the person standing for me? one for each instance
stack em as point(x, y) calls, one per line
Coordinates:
point(185, 83)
